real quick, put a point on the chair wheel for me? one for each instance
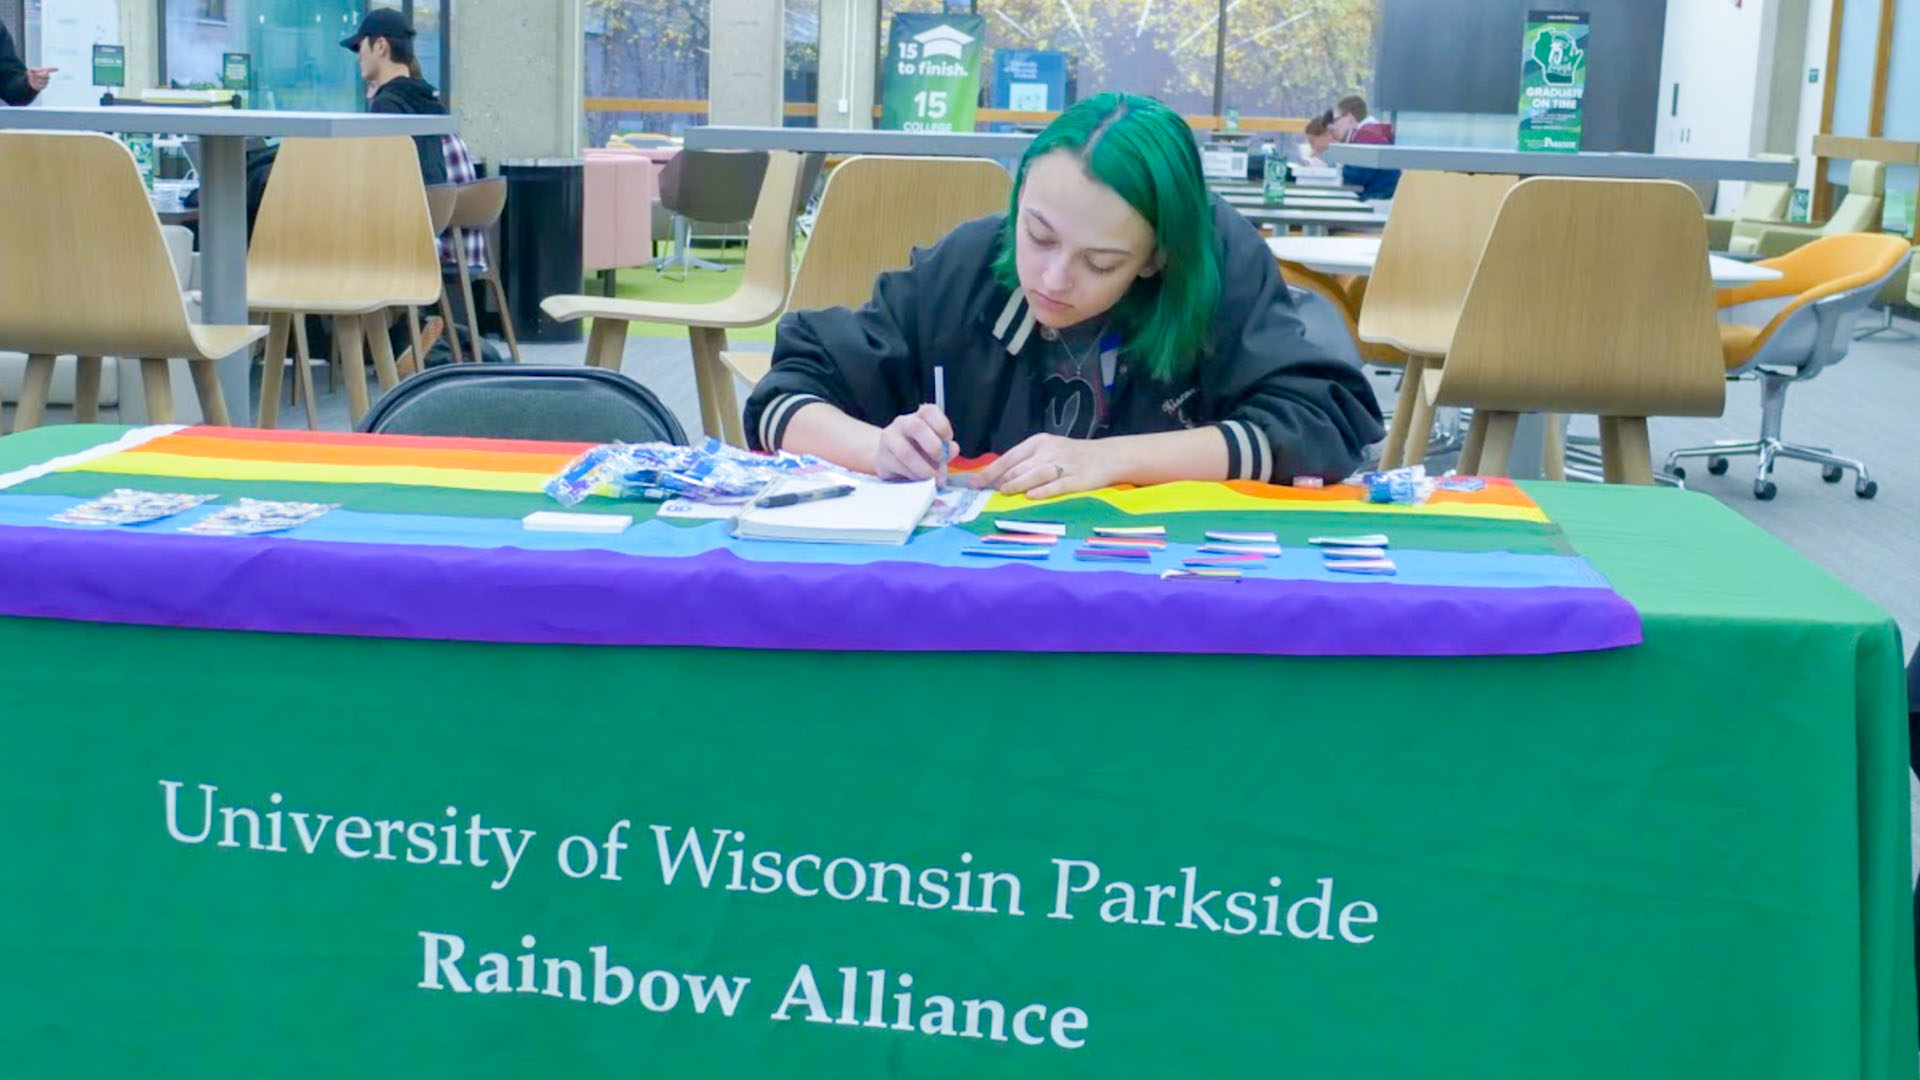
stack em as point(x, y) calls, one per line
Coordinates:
point(1832, 473)
point(1678, 472)
point(1764, 490)
point(1717, 466)
point(1868, 489)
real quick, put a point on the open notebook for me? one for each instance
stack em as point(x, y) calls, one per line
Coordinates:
point(877, 513)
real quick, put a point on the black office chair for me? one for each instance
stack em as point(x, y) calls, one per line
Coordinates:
point(554, 404)
point(710, 186)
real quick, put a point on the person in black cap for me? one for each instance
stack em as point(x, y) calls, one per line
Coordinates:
point(384, 43)
point(19, 84)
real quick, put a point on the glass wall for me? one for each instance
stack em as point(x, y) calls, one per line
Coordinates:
point(61, 34)
point(1283, 58)
point(295, 45)
point(654, 50)
point(803, 59)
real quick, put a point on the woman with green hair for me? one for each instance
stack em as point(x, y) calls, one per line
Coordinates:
point(1116, 326)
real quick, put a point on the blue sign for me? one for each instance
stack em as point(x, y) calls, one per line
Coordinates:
point(1028, 81)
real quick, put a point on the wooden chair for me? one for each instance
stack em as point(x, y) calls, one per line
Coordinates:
point(762, 294)
point(1432, 243)
point(1593, 296)
point(86, 272)
point(343, 231)
point(477, 206)
point(441, 201)
point(874, 212)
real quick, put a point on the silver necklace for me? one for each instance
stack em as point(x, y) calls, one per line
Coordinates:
point(1079, 360)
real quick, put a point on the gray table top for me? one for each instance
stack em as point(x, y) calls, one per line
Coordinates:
point(859, 141)
point(1586, 163)
point(162, 120)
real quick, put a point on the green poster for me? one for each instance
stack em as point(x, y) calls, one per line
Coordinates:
point(236, 71)
point(1553, 80)
point(109, 65)
point(932, 73)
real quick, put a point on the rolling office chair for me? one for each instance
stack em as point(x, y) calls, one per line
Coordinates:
point(1809, 316)
point(714, 186)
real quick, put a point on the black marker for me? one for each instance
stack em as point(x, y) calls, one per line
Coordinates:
point(797, 497)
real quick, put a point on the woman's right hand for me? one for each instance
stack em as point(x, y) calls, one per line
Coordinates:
point(914, 445)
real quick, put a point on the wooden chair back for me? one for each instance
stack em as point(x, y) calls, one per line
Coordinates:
point(769, 269)
point(343, 228)
point(876, 210)
point(85, 268)
point(441, 199)
point(479, 204)
point(1593, 296)
point(1432, 243)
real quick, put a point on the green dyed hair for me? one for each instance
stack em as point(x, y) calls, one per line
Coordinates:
point(1145, 152)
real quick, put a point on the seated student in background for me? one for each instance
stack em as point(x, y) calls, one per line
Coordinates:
point(1319, 133)
point(384, 44)
point(1118, 326)
point(1352, 124)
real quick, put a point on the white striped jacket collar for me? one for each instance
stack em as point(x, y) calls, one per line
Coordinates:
point(1016, 319)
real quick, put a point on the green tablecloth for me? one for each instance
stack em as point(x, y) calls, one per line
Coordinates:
point(1687, 859)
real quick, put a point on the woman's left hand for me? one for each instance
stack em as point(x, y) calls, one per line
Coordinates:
point(1044, 466)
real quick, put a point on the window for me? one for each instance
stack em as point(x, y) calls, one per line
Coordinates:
point(803, 58)
point(650, 49)
point(295, 45)
point(1283, 58)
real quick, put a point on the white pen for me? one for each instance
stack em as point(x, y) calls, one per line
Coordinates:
point(940, 402)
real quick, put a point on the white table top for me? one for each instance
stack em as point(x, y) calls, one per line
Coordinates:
point(1315, 215)
point(163, 120)
point(1356, 255)
point(1306, 202)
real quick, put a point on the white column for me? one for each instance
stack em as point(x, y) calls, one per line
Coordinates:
point(519, 77)
point(140, 33)
point(847, 51)
point(746, 63)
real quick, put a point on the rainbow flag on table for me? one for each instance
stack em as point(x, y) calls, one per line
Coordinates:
point(427, 543)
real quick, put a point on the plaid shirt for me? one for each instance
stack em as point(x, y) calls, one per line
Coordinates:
point(460, 170)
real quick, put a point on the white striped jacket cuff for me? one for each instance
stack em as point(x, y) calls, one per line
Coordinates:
point(1249, 452)
point(773, 419)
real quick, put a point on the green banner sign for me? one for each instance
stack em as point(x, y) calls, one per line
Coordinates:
point(236, 71)
point(1553, 80)
point(109, 65)
point(932, 72)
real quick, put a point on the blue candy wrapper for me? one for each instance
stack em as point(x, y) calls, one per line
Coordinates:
point(1406, 486)
point(711, 472)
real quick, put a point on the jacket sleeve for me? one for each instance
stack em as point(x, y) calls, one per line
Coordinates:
point(14, 88)
point(865, 363)
point(1285, 406)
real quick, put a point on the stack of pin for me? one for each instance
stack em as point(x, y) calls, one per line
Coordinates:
point(1355, 554)
point(1032, 540)
point(1228, 555)
point(1123, 543)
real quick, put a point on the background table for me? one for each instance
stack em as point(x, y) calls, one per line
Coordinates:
point(1680, 860)
point(1620, 166)
point(223, 134)
point(1357, 254)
